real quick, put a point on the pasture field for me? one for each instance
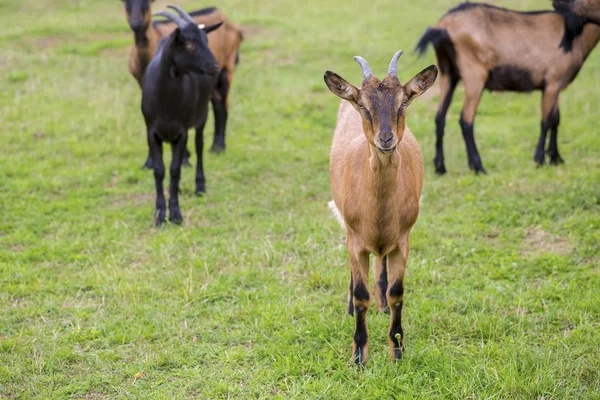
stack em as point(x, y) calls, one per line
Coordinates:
point(247, 298)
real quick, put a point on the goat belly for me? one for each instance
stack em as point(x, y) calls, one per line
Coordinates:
point(510, 78)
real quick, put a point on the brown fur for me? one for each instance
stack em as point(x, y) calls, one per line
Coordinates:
point(487, 39)
point(377, 193)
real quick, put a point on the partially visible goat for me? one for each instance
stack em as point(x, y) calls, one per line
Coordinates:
point(584, 8)
point(175, 94)
point(224, 43)
point(503, 50)
point(376, 172)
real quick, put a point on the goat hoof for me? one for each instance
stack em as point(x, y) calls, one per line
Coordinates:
point(539, 158)
point(556, 159)
point(385, 310)
point(359, 358)
point(397, 354)
point(217, 148)
point(440, 168)
point(186, 162)
point(148, 164)
point(480, 170)
point(175, 217)
point(159, 218)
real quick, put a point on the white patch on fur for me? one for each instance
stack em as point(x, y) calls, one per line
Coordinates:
point(336, 212)
point(201, 26)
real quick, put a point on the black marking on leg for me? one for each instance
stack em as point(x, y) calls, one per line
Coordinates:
point(360, 291)
point(472, 153)
point(397, 289)
point(396, 333)
point(361, 336)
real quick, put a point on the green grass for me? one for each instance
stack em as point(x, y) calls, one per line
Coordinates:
point(247, 298)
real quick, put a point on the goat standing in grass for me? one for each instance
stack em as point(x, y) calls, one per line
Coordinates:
point(223, 43)
point(175, 94)
point(585, 8)
point(497, 49)
point(376, 172)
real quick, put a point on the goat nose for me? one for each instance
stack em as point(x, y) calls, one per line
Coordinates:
point(386, 137)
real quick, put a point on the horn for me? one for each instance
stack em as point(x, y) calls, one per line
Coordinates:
point(186, 17)
point(365, 67)
point(393, 64)
point(172, 17)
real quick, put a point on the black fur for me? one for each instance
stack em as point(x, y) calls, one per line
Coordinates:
point(383, 281)
point(472, 153)
point(510, 78)
point(444, 50)
point(396, 329)
point(360, 291)
point(397, 289)
point(175, 92)
point(361, 336)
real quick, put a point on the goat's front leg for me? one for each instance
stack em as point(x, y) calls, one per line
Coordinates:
point(155, 145)
point(359, 265)
point(549, 108)
point(179, 149)
point(395, 297)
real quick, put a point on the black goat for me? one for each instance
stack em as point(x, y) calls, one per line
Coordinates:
point(176, 90)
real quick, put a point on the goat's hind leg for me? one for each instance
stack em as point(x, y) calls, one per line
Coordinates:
point(381, 284)
point(220, 109)
point(200, 180)
point(447, 86)
point(178, 150)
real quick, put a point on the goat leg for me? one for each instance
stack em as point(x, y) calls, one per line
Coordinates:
point(178, 148)
point(219, 103)
point(155, 145)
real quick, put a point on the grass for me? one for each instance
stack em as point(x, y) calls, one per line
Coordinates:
point(247, 298)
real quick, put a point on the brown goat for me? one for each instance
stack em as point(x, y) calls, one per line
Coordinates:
point(224, 43)
point(585, 8)
point(376, 172)
point(503, 50)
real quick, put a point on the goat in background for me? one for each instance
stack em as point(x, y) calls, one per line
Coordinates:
point(224, 43)
point(175, 93)
point(503, 50)
point(376, 172)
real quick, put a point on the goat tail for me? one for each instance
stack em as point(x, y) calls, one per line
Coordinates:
point(435, 36)
point(336, 212)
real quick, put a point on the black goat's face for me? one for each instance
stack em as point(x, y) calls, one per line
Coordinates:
point(382, 103)
point(138, 14)
point(191, 52)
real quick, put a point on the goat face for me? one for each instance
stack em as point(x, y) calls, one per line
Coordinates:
point(191, 52)
point(382, 103)
point(138, 14)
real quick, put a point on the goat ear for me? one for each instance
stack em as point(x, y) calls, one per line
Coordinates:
point(210, 28)
point(421, 82)
point(340, 87)
point(178, 36)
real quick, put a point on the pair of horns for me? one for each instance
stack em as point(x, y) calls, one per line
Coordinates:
point(181, 21)
point(392, 70)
